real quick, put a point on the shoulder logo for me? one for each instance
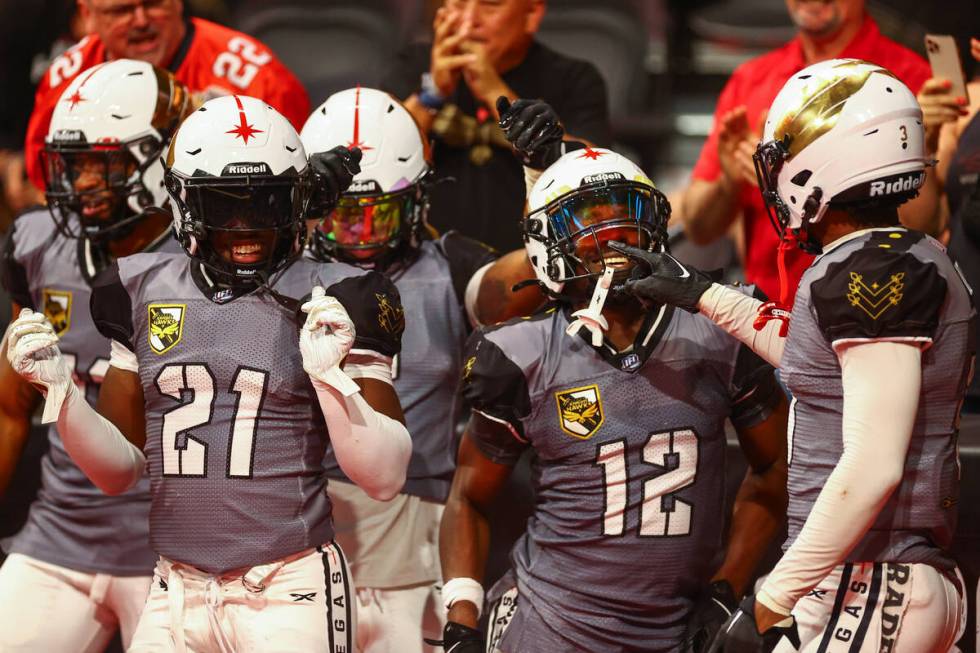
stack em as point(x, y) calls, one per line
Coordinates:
point(876, 298)
point(57, 308)
point(166, 326)
point(390, 317)
point(468, 367)
point(580, 411)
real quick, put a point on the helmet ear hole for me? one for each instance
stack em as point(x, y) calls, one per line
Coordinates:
point(801, 177)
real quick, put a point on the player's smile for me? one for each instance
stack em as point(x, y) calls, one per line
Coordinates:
point(596, 260)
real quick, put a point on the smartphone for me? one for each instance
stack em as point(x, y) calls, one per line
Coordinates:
point(944, 59)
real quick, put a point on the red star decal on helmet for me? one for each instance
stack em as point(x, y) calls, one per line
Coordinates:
point(74, 99)
point(356, 140)
point(243, 129)
point(589, 153)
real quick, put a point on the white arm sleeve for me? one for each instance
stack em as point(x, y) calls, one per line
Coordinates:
point(99, 449)
point(876, 441)
point(473, 293)
point(368, 364)
point(121, 357)
point(735, 312)
point(371, 448)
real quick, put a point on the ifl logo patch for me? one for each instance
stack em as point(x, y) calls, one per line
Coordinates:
point(580, 411)
point(57, 308)
point(166, 326)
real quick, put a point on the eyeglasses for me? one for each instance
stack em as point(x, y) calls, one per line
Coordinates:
point(126, 11)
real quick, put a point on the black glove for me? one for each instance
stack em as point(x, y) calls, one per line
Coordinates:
point(333, 172)
point(534, 130)
point(740, 634)
point(459, 639)
point(713, 609)
point(661, 279)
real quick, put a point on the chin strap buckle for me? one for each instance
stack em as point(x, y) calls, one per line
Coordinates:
point(591, 318)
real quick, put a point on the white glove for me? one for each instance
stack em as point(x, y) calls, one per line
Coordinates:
point(325, 340)
point(32, 349)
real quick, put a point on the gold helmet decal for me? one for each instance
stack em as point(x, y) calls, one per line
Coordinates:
point(822, 103)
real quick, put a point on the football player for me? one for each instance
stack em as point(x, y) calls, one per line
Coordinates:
point(206, 376)
point(446, 285)
point(83, 553)
point(878, 355)
point(626, 422)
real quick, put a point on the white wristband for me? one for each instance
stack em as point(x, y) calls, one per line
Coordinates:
point(463, 589)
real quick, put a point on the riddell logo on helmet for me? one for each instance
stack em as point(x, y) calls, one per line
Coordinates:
point(603, 176)
point(364, 186)
point(72, 135)
point(909, 182)
point(247, 169)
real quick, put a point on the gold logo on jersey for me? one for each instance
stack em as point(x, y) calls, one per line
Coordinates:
point(166, 326)
point(57, 308)
point(391, 318)
point(580, 411)
point(468, 367)
point(876, 298)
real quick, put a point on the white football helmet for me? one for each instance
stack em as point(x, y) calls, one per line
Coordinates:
point(843, 131)
point(384, 208)
point(585, 199)
point(238, 178)
point(102, 155)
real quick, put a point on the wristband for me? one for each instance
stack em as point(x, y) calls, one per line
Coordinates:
point(463, 589)
point(429, 95)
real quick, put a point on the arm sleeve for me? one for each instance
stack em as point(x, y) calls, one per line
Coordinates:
point(111, 308)
point(876, 294)
point(735, 312)
point(755, 392)
point(496, 390)
point(876, 442)
point(465, 257)
point(12, 275)
point(584, 110)
point(375, 307)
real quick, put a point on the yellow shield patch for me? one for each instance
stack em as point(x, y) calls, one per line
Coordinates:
point(57, 308)
point(166, 326)
point(390, 317)
point(875, 298)
point(580, 411)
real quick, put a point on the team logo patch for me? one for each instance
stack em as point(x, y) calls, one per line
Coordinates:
point(876, 298)
point(57, 308)
point(390, 317)
point(468, 367)
point(580, 411)
point(166, 326)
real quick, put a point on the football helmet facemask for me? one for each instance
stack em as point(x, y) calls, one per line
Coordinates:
point(584, 200)
point(238, 178)
point(101, 159)
point(384, 210)
point(842, 132)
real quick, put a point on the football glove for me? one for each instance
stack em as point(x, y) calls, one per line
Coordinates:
point(712, 610)
point(32, 350)
point(740, 634)
point(333, 172)
point(659, 278)
point(457, 638)
point(534, 130)
point(325, 340)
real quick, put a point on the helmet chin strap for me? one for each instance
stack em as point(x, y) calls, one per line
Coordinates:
point(591, 317)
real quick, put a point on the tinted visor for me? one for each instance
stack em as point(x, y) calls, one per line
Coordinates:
point(368, 221)
point(80, 171)
point(242, 207)
point(580, 213)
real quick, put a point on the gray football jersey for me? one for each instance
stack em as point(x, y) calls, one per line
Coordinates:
point(628, 470)
point(234, 434)
point(72, 523)
point(427, 369)
point(897, 285)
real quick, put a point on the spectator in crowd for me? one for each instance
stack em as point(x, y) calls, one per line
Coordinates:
point(950, 196)
point(723, 185)
point(481, 51)
point(209, 59)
